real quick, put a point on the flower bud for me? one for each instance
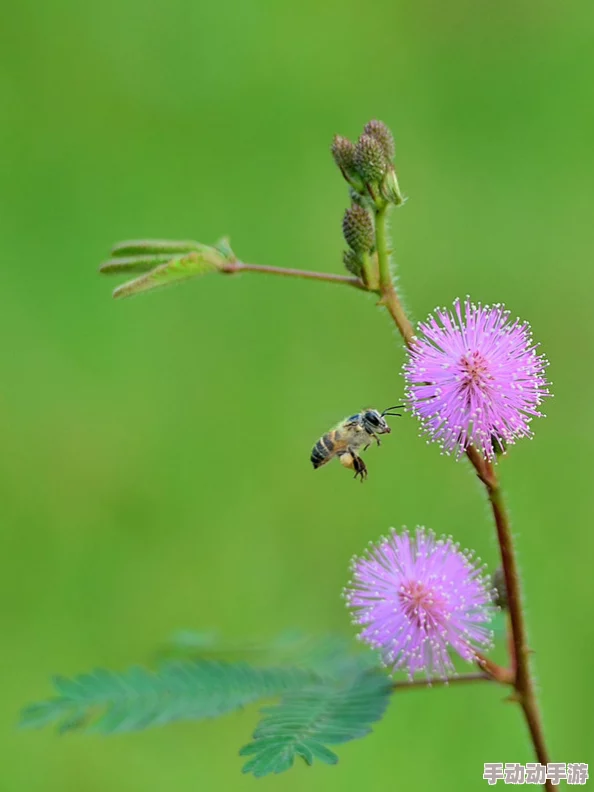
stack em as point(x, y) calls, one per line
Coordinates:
point(379, 131)
point(370, 160)
point(353, 263)
point(343, 152)
point(500, 588)
point(358, 230)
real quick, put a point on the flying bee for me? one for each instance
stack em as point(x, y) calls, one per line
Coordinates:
point(350, 436)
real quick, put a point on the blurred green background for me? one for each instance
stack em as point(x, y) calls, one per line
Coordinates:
point(155, 452)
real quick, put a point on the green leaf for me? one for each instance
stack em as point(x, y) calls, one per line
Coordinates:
point(145, 247)
point(307, 720)
point(133, 264)
point(176, 269)
point(143, 255)
point(35, 716)
point(108, 702)
point(335, 700)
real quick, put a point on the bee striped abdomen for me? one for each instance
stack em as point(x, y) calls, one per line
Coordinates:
point(322, 451)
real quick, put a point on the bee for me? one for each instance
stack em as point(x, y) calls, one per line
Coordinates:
point(349, 437)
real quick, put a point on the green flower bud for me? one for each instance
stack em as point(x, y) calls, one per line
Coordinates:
point(358, 230)
point(498, 581)
point(353, 263)
point(343, 152)
point(370, 160)
point(384, 137)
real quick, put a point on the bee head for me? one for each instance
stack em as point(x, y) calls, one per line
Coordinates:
point(374, 421)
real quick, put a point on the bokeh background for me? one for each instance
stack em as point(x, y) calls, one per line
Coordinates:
point(154, 471)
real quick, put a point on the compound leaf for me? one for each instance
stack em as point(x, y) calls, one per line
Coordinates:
point(108, 702)
point(307, 721)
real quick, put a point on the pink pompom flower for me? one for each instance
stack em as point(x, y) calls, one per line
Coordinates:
point(474, 378)
point(418, 597)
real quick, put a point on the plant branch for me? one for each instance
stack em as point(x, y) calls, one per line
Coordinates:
point(497, 673)
point(389, 296)
point(233, 267)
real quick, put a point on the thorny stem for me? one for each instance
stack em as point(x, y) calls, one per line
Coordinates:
point(523, 682)
point(487, 475)
point(240, 266)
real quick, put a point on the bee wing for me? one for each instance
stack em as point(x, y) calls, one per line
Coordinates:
point(350, 424)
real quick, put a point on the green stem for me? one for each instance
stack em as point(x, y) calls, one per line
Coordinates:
point(388, 294)
point(233, 267)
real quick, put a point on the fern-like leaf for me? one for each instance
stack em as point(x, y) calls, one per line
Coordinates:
point(308, 720)
point(109, 702)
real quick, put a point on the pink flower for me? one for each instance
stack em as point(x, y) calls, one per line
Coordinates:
point(416, 597)
point(475, 378)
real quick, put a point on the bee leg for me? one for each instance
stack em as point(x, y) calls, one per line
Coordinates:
point(359, 465)
point(361, 469)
